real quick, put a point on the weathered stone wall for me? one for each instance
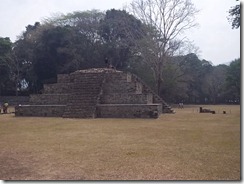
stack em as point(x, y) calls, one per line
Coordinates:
point(63, 78)
point(124, 88)
point(58, 88)
point(126, 98)
point(49, 99)
point(122, 77)
point(127, 111)
point(119, 87)
point(40, 110)
point(15, 100)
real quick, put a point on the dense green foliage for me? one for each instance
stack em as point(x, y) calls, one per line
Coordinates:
point(235, 16)
point(5, 49)
point(82, 40)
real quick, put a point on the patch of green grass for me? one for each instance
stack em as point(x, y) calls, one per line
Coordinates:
point(182, 146)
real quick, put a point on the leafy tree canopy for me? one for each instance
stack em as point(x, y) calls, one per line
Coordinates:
point(235, 16)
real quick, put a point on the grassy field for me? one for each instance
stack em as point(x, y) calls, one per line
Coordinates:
point(182, 146)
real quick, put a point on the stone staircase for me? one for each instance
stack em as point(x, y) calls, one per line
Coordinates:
point(157, 99)
point(84, 96)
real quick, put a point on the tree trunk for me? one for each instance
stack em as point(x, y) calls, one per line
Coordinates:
point(159, 85)
point(16, 89)
point(159, 78)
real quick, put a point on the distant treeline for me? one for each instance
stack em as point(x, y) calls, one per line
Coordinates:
point(81, 40)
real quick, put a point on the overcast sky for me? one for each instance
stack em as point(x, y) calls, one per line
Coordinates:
point(216, 40)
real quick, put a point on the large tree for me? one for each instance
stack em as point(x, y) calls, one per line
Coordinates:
point(235, 16)
point(185, 77)
point(24, 49)
point(5, 50)
point(233, 80)
point(11, 68)
point(85, 42)
point(166, 21)
point(60, 45)
point(115, 30)
point(213, 85)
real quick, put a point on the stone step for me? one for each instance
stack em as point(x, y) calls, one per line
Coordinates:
point(80, 107)
point(79, 102)
point(79, 113)
point(80, 110)
point(165, 106)
point(82, 98)
point(85, 75)
point(78, 116)
point(85, 93)
point(82, 102)
point(128, 110)
point(88, 83)
point(86, 86)
point(85, 90)
point(88, 105)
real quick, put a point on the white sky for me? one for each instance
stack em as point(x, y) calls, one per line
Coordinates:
point(216, 40)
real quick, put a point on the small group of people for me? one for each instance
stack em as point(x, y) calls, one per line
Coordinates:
point(4, 107)
point(181, 105)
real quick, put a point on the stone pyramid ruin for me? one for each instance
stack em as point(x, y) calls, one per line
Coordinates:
point(96, 93)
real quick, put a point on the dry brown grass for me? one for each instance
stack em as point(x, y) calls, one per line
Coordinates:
point(182, 146)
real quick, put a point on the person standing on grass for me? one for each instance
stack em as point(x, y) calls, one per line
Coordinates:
point(182, 105)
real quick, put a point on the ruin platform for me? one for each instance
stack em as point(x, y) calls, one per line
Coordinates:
point(96, 93)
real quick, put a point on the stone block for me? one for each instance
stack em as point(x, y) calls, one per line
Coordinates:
point(40, 110)
point(119, 87)
point(57, 88)
point(63, 78)
point(15, 100)
point(126, 98)
point(128, 110)
point(49, 99)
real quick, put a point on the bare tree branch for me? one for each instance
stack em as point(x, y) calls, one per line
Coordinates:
point(166, 20)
